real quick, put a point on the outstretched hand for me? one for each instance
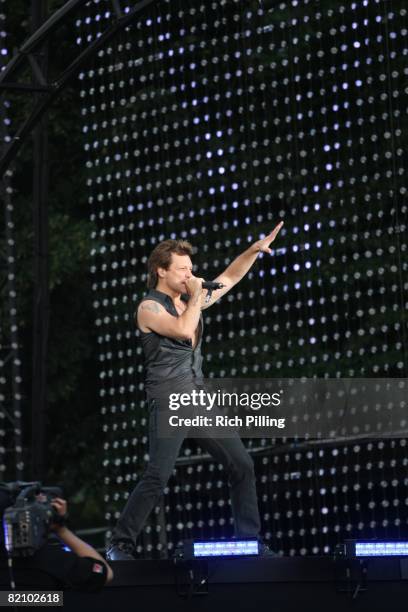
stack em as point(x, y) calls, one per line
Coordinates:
point(262, 246)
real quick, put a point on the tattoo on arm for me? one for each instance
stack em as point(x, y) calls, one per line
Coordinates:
point(151, 307)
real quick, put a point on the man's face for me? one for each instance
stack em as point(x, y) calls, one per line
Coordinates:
point(180, 270)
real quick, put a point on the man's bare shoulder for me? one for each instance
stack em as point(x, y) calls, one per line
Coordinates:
point(148, 306)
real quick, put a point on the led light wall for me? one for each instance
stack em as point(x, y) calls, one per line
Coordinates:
point(3, 353)
point(11, 457)
point(212, 121)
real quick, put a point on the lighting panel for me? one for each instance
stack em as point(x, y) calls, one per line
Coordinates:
point(3, 354)
point(212, 121)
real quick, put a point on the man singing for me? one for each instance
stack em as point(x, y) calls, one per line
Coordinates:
point(171, 328)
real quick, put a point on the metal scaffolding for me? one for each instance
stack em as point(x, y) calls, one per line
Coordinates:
point(41, 91)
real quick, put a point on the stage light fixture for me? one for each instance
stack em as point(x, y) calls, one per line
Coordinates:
point(374, 548)
point(193, 549)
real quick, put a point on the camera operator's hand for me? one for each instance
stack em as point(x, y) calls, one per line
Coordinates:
point(60, 506)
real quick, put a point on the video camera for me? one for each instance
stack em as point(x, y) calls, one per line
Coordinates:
point(27, 521)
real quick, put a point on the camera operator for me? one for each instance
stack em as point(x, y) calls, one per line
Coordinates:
point(53, 566)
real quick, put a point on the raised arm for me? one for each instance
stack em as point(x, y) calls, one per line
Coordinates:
point(241, 265)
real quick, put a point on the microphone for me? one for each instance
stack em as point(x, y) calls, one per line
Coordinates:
point(212, 285)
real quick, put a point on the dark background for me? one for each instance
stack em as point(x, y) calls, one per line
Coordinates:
point(312, 131)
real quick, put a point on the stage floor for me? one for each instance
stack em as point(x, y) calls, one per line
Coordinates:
point(279, 584)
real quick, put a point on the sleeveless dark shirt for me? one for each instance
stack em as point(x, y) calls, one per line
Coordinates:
point(169, 360)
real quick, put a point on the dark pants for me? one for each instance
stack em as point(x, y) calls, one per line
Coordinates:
point(163, 454)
